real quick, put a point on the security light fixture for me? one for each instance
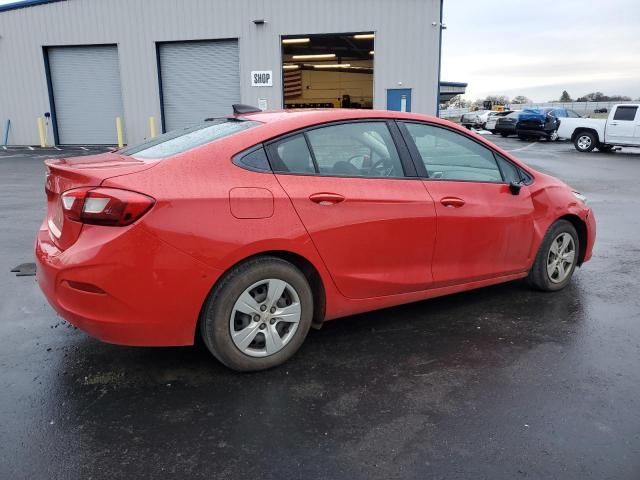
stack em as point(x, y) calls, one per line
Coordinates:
point(259, 21)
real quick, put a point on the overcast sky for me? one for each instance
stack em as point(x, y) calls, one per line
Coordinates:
point(539, 48)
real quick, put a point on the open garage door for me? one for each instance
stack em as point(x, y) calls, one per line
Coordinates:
point(198, 80)
point(328, 70)
point(87, 97)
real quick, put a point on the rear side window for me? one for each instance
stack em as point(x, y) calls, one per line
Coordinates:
point(292, 155)
point(625, 113)
point(254, 159)
point(449, 155)
point(179, 141)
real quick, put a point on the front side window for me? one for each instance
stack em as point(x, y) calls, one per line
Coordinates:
point(356, 149)
point(510, 172)
point(449, 155)
point(179, 141)
point(625, 113)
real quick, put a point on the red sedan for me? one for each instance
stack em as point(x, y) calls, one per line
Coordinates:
point(247, 230)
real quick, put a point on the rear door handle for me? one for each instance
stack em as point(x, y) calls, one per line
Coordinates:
point(326, 198)
point(452, 202)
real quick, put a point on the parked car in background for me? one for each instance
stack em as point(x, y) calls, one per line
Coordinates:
point(492, 119)
point(621, 128)
point(600, 110)
point(542, 122)
point(477, 119)
point(506, 125)
point(274, 221)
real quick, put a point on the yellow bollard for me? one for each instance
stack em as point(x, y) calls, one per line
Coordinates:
point(152, 127)
point(119, 132)
point(41, 132)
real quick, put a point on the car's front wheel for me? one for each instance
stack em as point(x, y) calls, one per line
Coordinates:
point(258, 315)
point(557, 257)
point(585, 142)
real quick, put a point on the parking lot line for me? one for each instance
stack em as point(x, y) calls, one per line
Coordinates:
point(522, 148)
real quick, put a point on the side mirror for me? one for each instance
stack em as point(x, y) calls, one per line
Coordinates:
point(514, 188)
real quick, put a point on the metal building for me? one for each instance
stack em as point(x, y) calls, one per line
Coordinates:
point(170, 63)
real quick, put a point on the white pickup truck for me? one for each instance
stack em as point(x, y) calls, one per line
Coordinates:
point(621, 129)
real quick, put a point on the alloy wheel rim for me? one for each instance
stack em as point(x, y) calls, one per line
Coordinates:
point(561, 257)
point(265, 317)
point(584, 142)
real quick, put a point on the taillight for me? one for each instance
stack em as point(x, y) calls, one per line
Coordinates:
point(105, 206)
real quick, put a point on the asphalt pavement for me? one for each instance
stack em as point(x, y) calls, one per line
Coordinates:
point(498, 383)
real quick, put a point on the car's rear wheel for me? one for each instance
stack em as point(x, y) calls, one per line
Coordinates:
point(557, 257)
point(585, 142)
point(258, 315)
point(504, 135)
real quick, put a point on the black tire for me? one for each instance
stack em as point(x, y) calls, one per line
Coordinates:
point(504, 135)
point(538, 276)
point(215, 317)
point(522, 138)
point(585, 142)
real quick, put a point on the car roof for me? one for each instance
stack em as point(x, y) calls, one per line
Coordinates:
point(282, 121)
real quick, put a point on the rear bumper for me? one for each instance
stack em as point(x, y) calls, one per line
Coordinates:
point(124, 286)
point(531, 132)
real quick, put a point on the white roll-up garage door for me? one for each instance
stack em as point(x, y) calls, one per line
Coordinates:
point(85, 81)
point(199, 80)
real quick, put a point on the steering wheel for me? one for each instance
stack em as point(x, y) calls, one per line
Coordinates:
point(364, 160)
point(383, 168)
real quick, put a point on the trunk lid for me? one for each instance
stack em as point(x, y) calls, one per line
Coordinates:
point(74, 172)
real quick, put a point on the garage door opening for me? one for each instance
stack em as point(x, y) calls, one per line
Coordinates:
point(327, 71)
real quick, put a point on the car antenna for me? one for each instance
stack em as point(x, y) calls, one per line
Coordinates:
point(239, 108)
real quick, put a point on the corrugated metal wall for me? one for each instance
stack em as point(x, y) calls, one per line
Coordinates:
point(406, 47)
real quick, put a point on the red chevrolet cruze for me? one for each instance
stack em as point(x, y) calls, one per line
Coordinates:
point(247, 230)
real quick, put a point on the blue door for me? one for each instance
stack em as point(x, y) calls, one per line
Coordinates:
point(399, 99)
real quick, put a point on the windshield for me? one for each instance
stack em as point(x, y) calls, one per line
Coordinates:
point(178, 141)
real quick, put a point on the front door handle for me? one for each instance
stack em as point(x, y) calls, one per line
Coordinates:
point(452, 202)
point(326, 198)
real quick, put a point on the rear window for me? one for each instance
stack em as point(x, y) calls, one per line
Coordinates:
point(625, 113)
point(179, 141)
